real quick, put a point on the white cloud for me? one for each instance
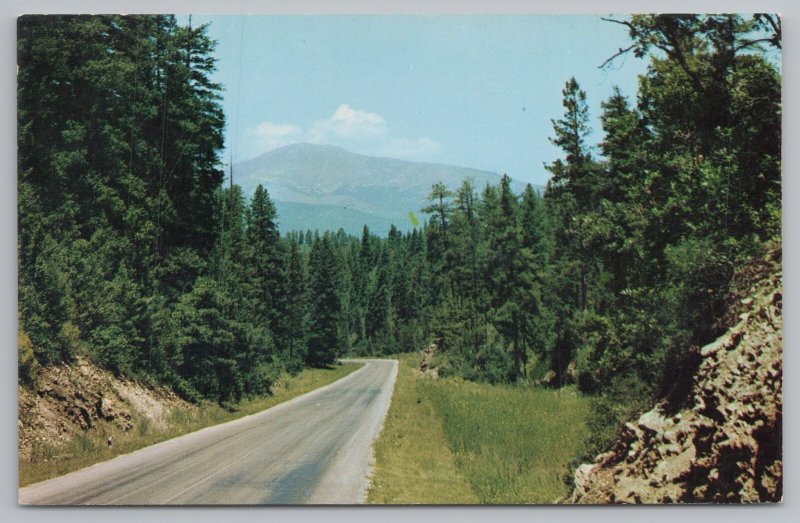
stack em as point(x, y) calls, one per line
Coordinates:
point(355, 129)
point(270, 135)
point(350, 124)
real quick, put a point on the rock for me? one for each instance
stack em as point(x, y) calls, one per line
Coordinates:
point(549, 379)
point(630, 490)
point(582, 475)
point(652, 422)
point(427, 356)
point(724, 445)
point(711, 348)
point(602, 458)
point(425, 362)
point(677, 466)
point(106, 409)
point(571, 373)
point(70, 399)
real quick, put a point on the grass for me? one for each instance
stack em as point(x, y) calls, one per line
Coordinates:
point(91, 447)
point(513, 444)
point(505, 444)
point(413, 462)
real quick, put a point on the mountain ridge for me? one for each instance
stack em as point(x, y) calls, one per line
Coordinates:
point(303, 177)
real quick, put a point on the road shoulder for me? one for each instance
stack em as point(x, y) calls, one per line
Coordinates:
point(414, 464)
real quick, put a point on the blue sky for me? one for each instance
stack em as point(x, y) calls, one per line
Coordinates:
point(477, 91)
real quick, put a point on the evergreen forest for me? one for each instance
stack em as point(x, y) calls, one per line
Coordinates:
point(134, 252)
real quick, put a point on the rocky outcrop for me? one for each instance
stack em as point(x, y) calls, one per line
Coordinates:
point(425, 363)
point(726, 445)
point(70, 399)
point(568, 377)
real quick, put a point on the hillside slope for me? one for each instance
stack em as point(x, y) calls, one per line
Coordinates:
point(725, 446)
point(69, 400)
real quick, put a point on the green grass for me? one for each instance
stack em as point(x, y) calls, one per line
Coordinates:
point(513, 444)
point(413, 461)
point(505, 444)
point(90, 447)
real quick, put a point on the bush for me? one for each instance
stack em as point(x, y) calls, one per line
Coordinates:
point(294, 365)
point(622, 400)
point(264, 376)
point(699, 272)
point(491, 364)
point(69, 337)
point(184, 389)
point(27, 366)
point(442, 364)
point(538, 368)
point(587, 383)
point(597, 336)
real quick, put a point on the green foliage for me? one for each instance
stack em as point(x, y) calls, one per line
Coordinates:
point(132, 252)
point(129, 251)
point(325, 323)
point(622, 400)
point(648, 237)
point(493, 364)
point(27, 366)
point(69, 337)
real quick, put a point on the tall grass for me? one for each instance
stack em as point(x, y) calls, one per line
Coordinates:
point(413, 464)
point(90, 447)
point(513, 444)
point(451, 441)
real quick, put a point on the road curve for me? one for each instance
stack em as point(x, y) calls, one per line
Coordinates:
point(313, 449)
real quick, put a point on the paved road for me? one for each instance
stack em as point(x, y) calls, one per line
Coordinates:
point(315, 448)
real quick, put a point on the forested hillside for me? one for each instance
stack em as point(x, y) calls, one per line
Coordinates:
point(133, 253)
point(128, 248)
point(626, 260)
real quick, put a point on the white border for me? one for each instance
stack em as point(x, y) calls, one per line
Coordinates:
point(9, 511)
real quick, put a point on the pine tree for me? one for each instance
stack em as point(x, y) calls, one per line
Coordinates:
point(324, 322)
point(570, 197)
point(267, 263)
point(296, 318)
point(504, 273)
point(438, 242)
point(537, 319)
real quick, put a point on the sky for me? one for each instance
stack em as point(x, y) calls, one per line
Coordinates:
point(475, 91)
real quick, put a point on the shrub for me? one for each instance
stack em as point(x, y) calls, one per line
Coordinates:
point(27, 366)
point(492, 364)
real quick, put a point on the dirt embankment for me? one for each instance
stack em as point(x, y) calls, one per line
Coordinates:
point(72, 399)
point(725, 446)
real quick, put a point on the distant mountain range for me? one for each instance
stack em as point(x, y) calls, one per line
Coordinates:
point(326, 187)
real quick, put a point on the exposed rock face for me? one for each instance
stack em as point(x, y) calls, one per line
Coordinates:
point(726, 446)
point(425, 363)
point(69, 399)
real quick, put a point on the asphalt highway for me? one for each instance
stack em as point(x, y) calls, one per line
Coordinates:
point(313, 449)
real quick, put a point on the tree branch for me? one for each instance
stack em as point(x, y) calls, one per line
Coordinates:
point(776, 27)
point(620, 22)
point(677, 54)
point(617, 54)
point(748, 43)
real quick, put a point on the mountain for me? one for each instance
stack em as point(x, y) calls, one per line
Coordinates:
point(326, 187)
